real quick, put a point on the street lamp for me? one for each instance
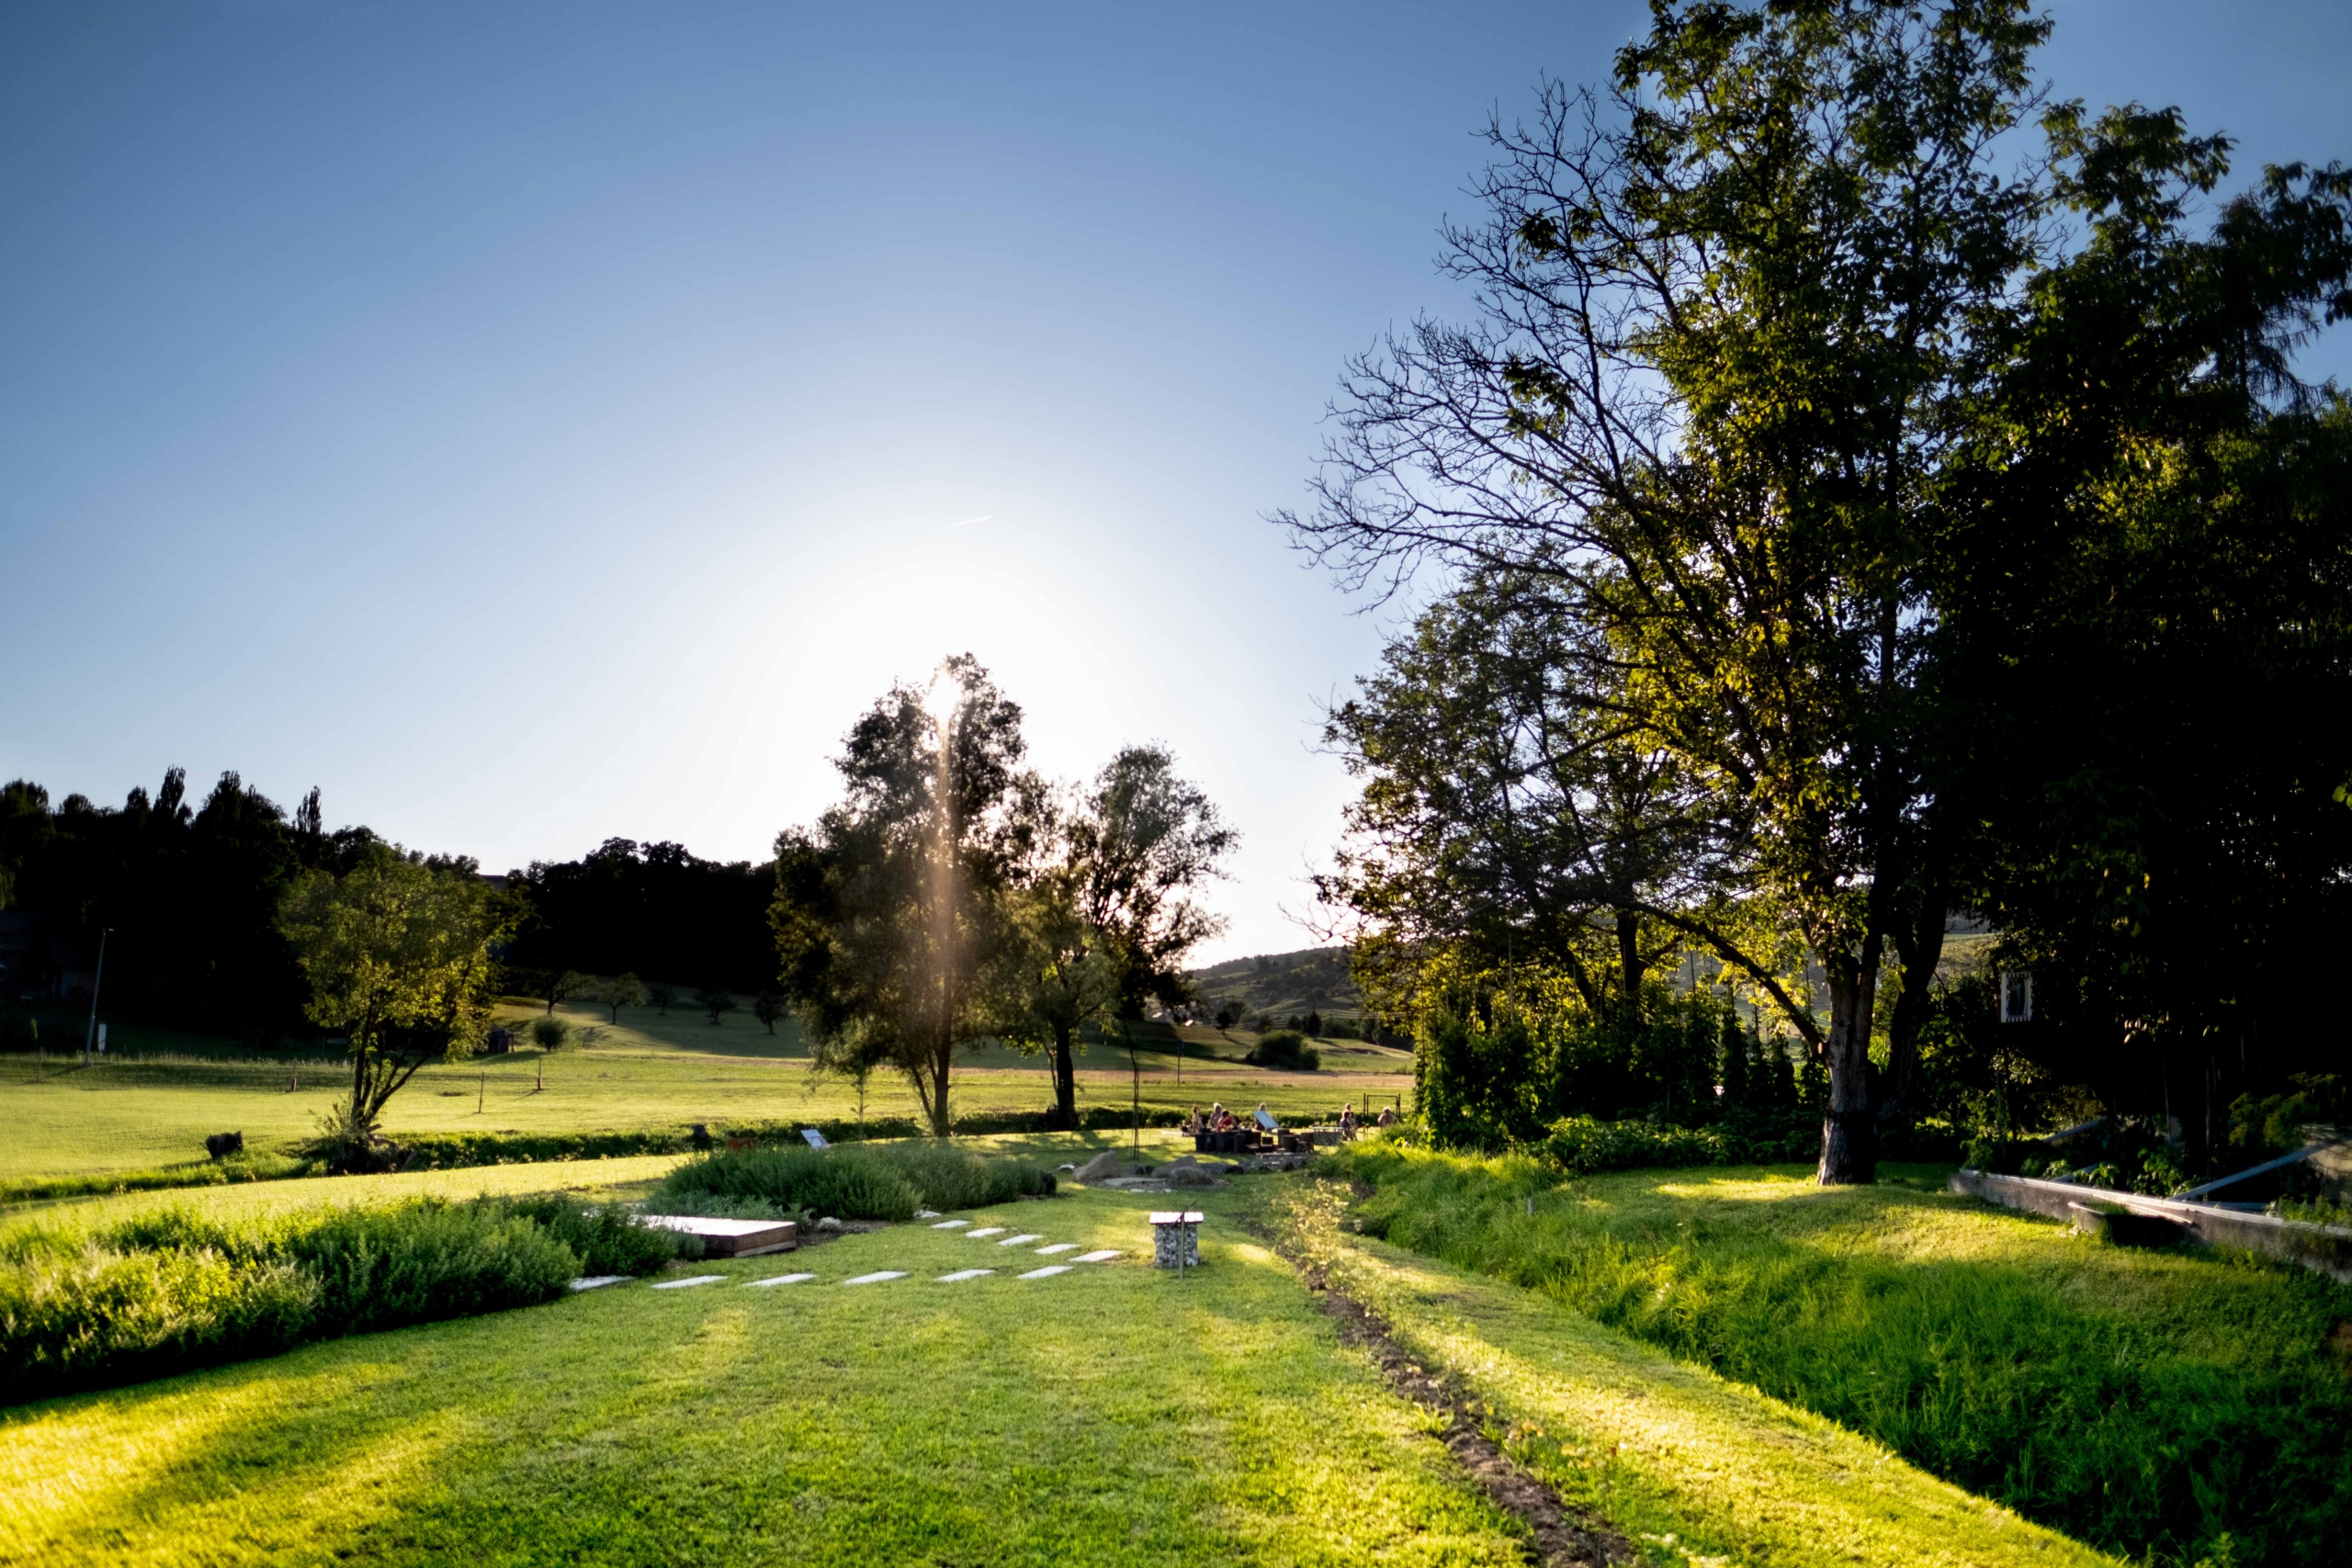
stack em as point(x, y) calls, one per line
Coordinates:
point(90, 1034)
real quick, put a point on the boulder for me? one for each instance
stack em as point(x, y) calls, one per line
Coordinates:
point(1191, 1176)
point(220, 1145)
point(1102, 1167)
point(829, 1223)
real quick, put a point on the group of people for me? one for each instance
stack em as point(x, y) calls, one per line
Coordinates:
point(1220, 1120)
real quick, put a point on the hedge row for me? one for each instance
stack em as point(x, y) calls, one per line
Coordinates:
point(175, 1289)
point(1583, 1146)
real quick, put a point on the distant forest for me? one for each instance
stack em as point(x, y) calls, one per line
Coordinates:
point(188, 892)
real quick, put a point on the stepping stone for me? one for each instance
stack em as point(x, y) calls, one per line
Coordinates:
point(682, 1284)
point(985, 1230)
point(1019, 1240)
point(595, 1281)
point(961, 1275)
point(1047, 1273)
point(950, 1225)
point(877, 1278)
point(1057, 1246)
point(1094, 1256)
point(783, 1279)
point(926, 1214)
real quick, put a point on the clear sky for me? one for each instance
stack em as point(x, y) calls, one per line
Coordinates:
point(535, 424)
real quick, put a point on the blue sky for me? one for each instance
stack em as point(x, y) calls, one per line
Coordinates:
point(534, 425)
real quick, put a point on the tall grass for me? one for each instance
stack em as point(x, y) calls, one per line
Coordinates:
point(176, 1289)
point(2154, 1424)
point(877, 1181)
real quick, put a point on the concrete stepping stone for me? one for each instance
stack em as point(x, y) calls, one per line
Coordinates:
point(682, 1284)
point(950, 1225)
point(986, 1230)
point(1047, 1273)
point(783, 1279)
point(1057, 1246)
point(877, 1278)
point(1020, 1240)
point(1104, 1257)
point(595, 1281)
point(961, 1275)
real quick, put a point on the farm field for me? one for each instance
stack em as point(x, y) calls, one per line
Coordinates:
point(1114, 1414)
point(132, 1110)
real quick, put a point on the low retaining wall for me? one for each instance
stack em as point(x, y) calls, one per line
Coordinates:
point(2327, 1248)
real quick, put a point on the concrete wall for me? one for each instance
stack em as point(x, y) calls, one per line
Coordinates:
point(2327, 1248)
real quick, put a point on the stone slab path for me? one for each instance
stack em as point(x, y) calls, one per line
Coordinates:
point(877, 1277)
point(682, 1284)
point(592, 1281)
point(1047, 1273)
point(961, 1275)
point(783, 1279)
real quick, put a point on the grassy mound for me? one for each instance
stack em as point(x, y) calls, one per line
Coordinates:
point(2151, 1404)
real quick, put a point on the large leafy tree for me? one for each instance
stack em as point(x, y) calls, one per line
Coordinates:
point(1106, 909)
point(1516, 816)
point(1744, 388)
point(397, 954)
point(892, 913)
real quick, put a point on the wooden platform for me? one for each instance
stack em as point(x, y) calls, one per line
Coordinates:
point(731, 1238)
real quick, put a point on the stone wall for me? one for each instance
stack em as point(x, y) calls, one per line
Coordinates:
point(2327, 1248)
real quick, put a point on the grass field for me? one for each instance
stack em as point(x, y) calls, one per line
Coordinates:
point(1112, 1414)
point(2151, 1401)
point(1109, 1415)
point(135, 1111)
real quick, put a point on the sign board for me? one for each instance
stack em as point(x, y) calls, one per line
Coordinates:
point(102, 1040)
point(2016, 995)
point(815, 1139)
point(1264, 1120)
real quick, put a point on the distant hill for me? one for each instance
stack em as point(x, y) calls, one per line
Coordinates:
point(1280, 983)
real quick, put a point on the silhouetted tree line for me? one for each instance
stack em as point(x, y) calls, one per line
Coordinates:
point(650, 910)
point(189, 893)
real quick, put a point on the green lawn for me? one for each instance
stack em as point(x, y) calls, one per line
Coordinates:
point(2149, 1401)
point(1109, 1415)
point(1691, 1464)
point(135, 1111)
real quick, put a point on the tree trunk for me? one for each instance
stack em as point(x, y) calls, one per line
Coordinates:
point(1849, 1131)
point(1064, 1118)
point(1629, 970)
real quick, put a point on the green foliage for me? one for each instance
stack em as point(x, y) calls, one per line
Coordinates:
point(1285, 1049)
point(880, 1182)
point(602, 1235)
point(2144, 1413)
point(2262, 1126)
point(1581, 1145)
point(624, 990)
point(174, 1289)
point(714, 1000)
point(549, 1032)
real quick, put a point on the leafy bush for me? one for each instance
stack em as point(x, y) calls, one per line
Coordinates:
point(549, 1033)
point(1582, 1145)
point(887, 1181)
point(1286, 1049)
point(176, 1289)
point(602, 1235)
point(2152, 1428)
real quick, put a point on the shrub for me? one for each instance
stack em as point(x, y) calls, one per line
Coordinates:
point(1582, 1145)
point(1286, 1049)
point(886, 1182)
point(846, 1183)
point(548, 1033)
point(175, 1289)
point(602, 1235)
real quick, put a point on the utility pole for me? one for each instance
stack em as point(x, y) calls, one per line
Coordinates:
point(89, 1036)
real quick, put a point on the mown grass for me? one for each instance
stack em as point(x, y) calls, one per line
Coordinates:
point(1113, 1414)
point(1691, 1465)
point(877, 1181)
point(144, 1119)
point(2162, 1406)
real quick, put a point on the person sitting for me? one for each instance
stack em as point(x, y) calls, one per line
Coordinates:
point(1389, 1116)
point(1347, 1121)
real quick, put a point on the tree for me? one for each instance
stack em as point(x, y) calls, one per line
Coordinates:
point(1105, 908)
point(624, 991)
point(571, 983)
point(549, 1033)
point(662, 997)
point(714, 1000)
point(397, 954)
point(891, 914)
point(768, 1007)
point(1742, 398)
